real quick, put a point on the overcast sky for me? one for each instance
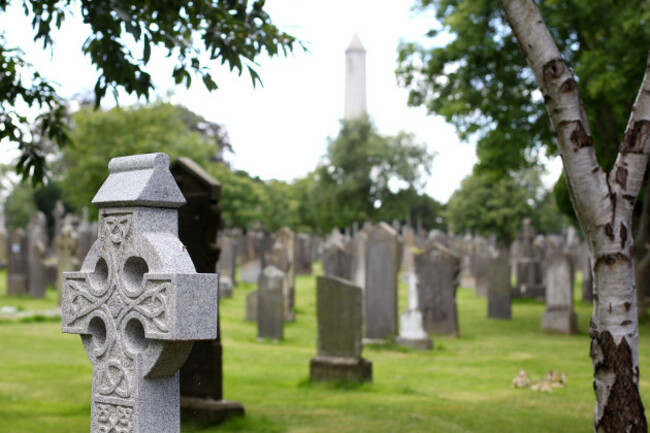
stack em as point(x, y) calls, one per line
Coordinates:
point(280, 130)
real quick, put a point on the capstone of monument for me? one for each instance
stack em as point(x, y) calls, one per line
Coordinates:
point(137, 301)
point(270, 304)
point(559, 315)
point(339, 321)
point(381, 283)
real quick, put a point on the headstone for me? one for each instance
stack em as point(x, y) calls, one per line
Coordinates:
point(137, 301)
point(36, 249)
point(339, 319)
point(201, 377)
point(412, 333)
point(437, 269)
point(17, 266)
point(336, 261)
point(381, 283)
point(251, 306)
point(480, 265)
point(303, 254)
point(270, 304)
point(66, 249)
point(288, 240)
point(4, 258)
point(358, 250)
point(250, 271)
point(58, 213)
point(407, 265)
point(226, 265)
point(559, 315)
point(529, 278)
point(499, 305)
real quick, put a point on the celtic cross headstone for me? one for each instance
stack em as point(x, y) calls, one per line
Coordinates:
point(137, 301)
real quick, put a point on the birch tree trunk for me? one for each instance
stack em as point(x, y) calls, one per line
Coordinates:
point(603, 203)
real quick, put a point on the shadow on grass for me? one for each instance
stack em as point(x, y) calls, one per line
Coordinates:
point(247, 423)
point(335, 385)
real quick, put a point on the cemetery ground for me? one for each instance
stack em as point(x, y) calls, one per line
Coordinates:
point(463, 385)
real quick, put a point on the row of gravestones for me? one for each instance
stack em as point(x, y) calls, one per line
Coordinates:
point(139, 303)
point(33, 262)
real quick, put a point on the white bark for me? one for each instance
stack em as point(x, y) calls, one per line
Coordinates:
point(603, 204)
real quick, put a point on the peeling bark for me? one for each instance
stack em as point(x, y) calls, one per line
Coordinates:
point(604, 204)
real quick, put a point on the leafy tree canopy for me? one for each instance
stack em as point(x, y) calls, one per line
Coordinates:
point(195, 34)
point(484, 206)
point(362, 170)
point(479, 82)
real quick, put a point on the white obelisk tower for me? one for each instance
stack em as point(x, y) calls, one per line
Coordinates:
point(355, 80)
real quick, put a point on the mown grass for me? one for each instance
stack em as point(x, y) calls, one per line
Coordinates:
point(463, 385)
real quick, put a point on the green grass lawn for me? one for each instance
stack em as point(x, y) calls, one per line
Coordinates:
point(463, 385)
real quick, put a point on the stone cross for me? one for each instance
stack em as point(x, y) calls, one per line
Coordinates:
point(137, 301)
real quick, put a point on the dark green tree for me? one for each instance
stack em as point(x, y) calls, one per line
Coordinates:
point(197, 34)
point(353, 182)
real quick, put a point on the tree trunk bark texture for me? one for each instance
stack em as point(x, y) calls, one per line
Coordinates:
point(604, 203)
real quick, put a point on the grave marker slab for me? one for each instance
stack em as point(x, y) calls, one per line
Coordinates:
point(559, 315)
point(17, 266)
point(270, 304)
point(137, 301)
point(499, 290)
point(339, 316)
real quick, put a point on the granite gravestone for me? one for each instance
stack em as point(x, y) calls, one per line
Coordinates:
point(381, 283)
point(17, 266)
point(226, 265)
point(529, 278)
point(270, 304)
point(499, 305)
point(437, 269)
point(559, 315)
point(201, 377)
point(336, 260)
point(339, 320)
point(36, 249)
point(137, 301)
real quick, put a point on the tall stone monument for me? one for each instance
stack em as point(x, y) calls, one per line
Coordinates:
point(381, 283)
point(288, 240)
point(355, 80)
point(499, 290)
point(270, 304)
point(338, 315)
point(412, 333)
point(201, 376)
point(137, 302)
point(36, 250)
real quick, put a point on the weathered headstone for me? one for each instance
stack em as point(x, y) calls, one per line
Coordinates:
point(226, 265)
point(480, 264)
point(437, 269)
point(36, 249)
point(303, 254)
point(270, 304)
point(358, 250)
point(529, 278)
point(408, 268)
point(381, 283)
point(288, 240)
point(201, 377)
point(339, 317)
point(412, 333)
point(499, 290)
point(137, 301)
point(559, 315)
point(336, 260)
point(251, 306)
point(17, 266)
point(66, 249)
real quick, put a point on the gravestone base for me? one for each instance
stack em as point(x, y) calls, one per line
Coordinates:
point(208, 411)
point(325, 368)
point(415, 343)
point(499, 306)
point(562, 321)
